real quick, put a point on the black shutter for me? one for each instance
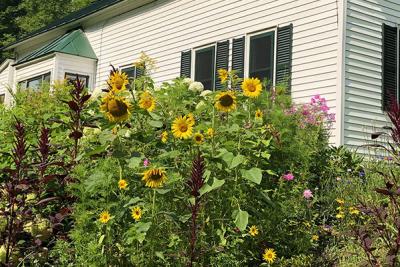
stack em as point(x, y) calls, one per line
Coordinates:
point(389, 66)
point(238, 56)
point(139, 72)
point(186, 63)
point(222, 61)
point(284, 55)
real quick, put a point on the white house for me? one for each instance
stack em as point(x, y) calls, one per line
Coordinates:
point(345, 50)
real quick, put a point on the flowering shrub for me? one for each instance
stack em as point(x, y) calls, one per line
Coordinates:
point(181, 176)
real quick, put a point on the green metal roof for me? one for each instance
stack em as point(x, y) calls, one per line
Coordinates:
point(73, 43)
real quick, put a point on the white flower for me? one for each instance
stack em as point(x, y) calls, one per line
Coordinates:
point(196, 87)
point(187, 81)
point(205, 93)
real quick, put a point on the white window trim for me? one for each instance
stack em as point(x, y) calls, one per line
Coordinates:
point(247, 51)
point(126, 66)
point(193, 63)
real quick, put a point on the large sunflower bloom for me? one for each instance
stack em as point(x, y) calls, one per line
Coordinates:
point(182, 127)
point(116, 108)
point(251, 87)
point(225, 101)
point(147, 101)
point(118, 81)
point(154, 178)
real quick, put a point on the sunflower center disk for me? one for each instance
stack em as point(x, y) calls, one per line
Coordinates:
point(155, 177)
point(119, 82)
point(183, 127)
point(251, 88)
point(226, 100)
point(117, 108)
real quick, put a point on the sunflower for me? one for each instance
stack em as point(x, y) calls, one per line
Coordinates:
point(269, 255)
point(210, 132)
point(225, 101)
point(223, 75)
point(116, 108)
point(315, 238)
point(251, 87)
point(147, 101)
point(198, 138)
point(164, 136)
point(154, 178)
point(182, 127)
point(122, 184)
point(259, 114)
point(253, 231)
point(104, 217)
point(118, 81)
point(136, 213)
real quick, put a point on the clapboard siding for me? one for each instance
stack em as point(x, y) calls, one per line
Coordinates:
point(165, 28)
point(25, 72)
point(74, 64)
point(363, 66)
point(5, 78)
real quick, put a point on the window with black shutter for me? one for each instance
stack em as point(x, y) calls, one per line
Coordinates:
point(284, 56)
point(186, 63)
point(204, 67)
point(222, 61)
point(390, 73)
point(261, 56)
point(131, 73)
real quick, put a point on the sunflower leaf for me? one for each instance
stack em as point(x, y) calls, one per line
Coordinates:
point(254, 175)
point(237, 160)
point(156, 124)
point(134, 162)
point(242, 219)
point(207, 188)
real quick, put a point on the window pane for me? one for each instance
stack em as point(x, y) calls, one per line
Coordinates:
point(2, 98)
point(22, 85)
point(204, 67)
point(34, 84)
point(131, 74)
point(46, 77)
point(262, 56)
point(71, 78)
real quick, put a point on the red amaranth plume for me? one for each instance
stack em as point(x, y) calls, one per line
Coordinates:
point(44, 149)
point(394, 116)
point(196, 181)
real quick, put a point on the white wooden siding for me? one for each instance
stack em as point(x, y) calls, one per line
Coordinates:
point(6, 79)
point(166, 28)
point(363, 64)
point(35, 68)
point(73, 64)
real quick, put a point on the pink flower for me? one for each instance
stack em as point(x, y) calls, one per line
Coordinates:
point(324, 108)
point(146, 162)
point(288, 176)
point(307, 194)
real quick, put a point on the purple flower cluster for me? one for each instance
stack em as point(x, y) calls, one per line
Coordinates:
point(314, 113)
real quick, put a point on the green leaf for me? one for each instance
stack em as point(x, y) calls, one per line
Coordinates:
point(266, 155)
point(97, 150)
point(137, 232)
point(132, 201)
point(242, 219)
point(155, 116)
point(228, 157)
point(156, 124)
point(207, 188)
point(237, 160)
point(134, 162)
point(266, 142)
point(162, 191)
point(254, 175)
point(101, 239)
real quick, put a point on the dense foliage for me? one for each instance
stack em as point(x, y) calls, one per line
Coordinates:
point(175, 175)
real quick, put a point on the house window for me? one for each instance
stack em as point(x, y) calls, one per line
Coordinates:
point(35, 82)
point(2, 98)
point(204, 71)
point(261, 56)
point(131, 72)
point(71, 78)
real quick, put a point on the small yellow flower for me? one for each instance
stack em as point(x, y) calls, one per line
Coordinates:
point(223, 75)
point(252, 87)
point(340, 201)
point(340, 208)
point(122, 184)
point(269, 255)
point(118, 81)
point(253, 231)
point(354, 211)
point(198, 138)
point(210, 132)
point(340, 215)
point(136, 213)
point(147, 101)
point(164, 136)
point(191, 119)
point(259, 114)
point(104, 217)
point(182, 127)
point(315, 238)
